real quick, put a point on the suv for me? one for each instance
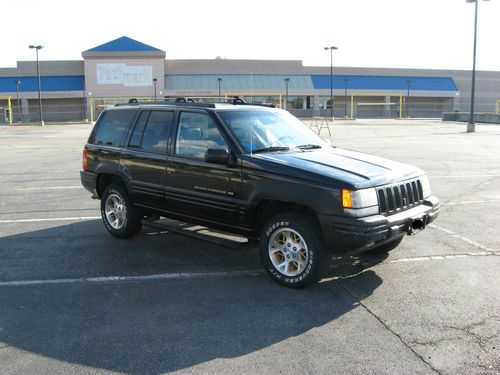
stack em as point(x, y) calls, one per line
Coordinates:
point(253, 171)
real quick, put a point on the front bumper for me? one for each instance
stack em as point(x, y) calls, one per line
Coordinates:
point(345, 235)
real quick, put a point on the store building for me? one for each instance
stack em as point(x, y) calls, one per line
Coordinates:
point(125, 68)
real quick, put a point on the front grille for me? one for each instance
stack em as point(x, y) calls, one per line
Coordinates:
point(398, 197)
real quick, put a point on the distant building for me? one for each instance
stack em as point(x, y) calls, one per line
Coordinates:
point(125, 68)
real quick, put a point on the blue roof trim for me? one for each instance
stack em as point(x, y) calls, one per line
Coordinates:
point(385, 82)
point(49, 83)
point(124, 44)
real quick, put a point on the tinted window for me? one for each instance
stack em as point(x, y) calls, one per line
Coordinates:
point(197, 133)
point(112, 128)
point(136, 138)
point(156, 131)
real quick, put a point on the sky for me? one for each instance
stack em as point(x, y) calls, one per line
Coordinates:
point(426, 34)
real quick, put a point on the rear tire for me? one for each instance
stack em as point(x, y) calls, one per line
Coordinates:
point(387, 247)
point(291, 250)
point(119, 215)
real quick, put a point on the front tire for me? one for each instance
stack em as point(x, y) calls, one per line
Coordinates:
point(291, 250)
point(120, 217)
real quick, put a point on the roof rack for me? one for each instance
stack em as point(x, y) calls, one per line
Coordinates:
point(195, 101)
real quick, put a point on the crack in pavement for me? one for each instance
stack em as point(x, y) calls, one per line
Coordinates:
point(403, 341)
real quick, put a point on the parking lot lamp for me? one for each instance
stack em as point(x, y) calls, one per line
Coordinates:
point(18, 83)
point(346, 81)
point(154, 84)
point(37, 48)
point(332, 48)
point(219, 80)
point(471, 126)
point(408, 83)
point(286, 92)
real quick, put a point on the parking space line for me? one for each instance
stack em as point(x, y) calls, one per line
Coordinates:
point(462, 238)
point(78, 218)
point(470, 202)
point(466, 176)
point(51, 188)
point(155, 277)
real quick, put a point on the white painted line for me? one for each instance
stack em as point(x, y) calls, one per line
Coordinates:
point(50, 219)
point(114, 279)
point(470, 202)
point(439, 257)
point(51, 188)
point(462, 238)
point(467, 176)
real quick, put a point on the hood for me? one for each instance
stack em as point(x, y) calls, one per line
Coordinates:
point(354, 168)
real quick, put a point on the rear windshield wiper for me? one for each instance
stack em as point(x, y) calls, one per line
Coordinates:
point(308, 146)
point(271, 149)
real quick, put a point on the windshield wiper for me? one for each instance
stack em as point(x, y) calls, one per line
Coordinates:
point(308, 146)
point(271, 149)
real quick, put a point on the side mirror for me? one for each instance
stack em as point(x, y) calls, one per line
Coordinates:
point(217, 156)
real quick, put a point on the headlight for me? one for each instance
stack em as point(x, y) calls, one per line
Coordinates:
point(360, 203)
point(426, 187)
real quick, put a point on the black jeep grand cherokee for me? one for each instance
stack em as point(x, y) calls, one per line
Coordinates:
point(254, 171)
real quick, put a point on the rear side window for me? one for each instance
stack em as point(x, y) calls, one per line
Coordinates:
point(112, 128)
point(151, 131)
point(136, 138)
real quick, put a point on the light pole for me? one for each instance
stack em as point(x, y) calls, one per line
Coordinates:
point(18, 106)
point(332, 48)
point(84, 102)
point(219, 80)
point(408, 99)
point(154, 83)
point(346, 81)
point(286, 92)
point(471, 126)
point(37, 48)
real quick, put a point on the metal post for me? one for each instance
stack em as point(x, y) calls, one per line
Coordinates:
point(471, 126)
point(332, 48)
point(408, 99)
point(18, 105)
point(286, 92)
point(154, 83)
point(219, 80)
point(84, 102)
point(345, 97)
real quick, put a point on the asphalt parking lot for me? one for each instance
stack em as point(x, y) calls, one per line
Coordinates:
point(75, 300)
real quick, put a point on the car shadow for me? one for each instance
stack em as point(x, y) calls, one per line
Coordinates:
point(155, 326)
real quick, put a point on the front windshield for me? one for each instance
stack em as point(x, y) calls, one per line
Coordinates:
point(278, 130)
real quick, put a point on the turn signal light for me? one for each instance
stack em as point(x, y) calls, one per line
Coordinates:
point(346, 198)
point(84, 159)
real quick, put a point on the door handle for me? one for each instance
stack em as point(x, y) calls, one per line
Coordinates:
point(127, 155)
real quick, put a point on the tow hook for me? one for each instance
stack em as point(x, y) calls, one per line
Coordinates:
point(416, 225)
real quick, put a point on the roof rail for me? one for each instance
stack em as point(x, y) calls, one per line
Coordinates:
point(195, 101)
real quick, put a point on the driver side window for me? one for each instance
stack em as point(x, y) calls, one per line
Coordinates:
point(196, 134)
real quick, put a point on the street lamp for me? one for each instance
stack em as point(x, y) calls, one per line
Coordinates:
point(37, 48)
point(286, 92)
point(471, 126)
point(408, 99)
point(332, 48)
point(346, 81)
point(18, 106)
point(154, 83)
point(219, 80)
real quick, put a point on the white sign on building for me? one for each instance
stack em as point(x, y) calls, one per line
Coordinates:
point(123, 74)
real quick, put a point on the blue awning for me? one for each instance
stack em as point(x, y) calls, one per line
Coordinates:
point(358, 82)
point(49, 83)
